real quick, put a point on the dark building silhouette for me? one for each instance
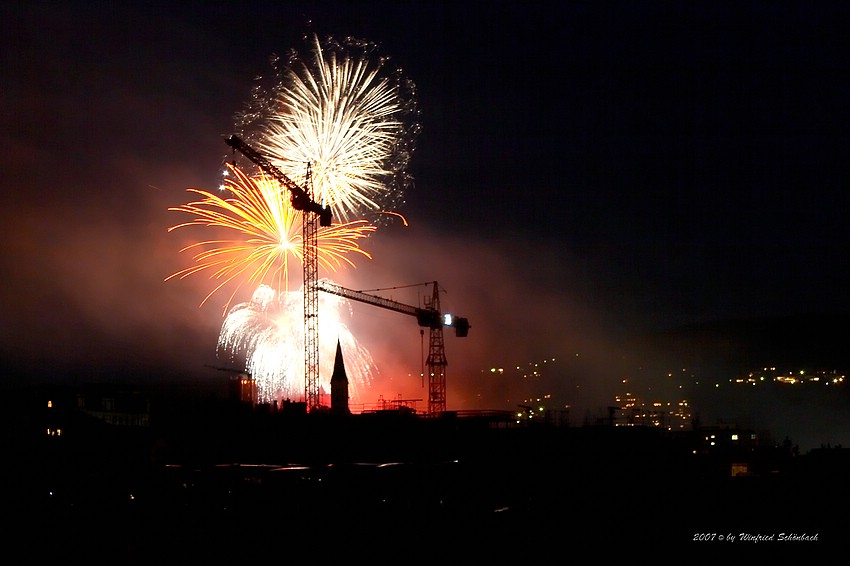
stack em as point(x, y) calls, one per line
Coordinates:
point(339, 384)
point(243, 387)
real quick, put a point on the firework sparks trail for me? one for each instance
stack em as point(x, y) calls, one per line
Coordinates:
point(351, 116)
point(265, 233)
point(267, 332)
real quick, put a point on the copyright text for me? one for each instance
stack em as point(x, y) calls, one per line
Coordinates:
point(756, 537)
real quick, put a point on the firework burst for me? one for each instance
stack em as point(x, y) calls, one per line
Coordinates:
point(265, 234)
point(266, 333)
point(348, 113)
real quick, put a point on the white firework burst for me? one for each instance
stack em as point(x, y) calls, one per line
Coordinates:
point(268, 332)
point(348, 114)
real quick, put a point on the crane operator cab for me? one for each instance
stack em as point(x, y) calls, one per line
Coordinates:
point(460, 324)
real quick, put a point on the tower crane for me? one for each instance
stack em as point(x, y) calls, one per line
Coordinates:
point(429, 316)
point(301, 199)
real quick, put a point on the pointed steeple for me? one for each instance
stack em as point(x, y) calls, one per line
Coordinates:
point(339, 384)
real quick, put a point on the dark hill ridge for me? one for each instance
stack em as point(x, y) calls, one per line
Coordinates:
point(804, 340)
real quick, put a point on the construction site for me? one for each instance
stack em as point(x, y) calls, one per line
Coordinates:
point(428, 316)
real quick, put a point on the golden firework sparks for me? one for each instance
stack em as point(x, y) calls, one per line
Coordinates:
point(265, 234)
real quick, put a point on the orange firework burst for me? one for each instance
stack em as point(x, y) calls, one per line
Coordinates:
point(266, 233)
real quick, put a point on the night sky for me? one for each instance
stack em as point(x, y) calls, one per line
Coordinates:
point(586, 171)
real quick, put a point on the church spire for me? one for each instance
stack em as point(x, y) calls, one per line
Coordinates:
point(339, 384)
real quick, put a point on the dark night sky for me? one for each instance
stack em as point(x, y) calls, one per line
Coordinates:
point(585, 170)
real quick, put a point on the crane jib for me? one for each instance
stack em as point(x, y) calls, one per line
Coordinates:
point(425, 317)
point(301, 199)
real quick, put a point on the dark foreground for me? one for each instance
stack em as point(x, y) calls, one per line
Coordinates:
point(408, 490)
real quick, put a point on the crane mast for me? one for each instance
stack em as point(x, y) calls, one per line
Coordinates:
point(430, 316)
point(314, 214)
point(309, 229)
point(436, 361)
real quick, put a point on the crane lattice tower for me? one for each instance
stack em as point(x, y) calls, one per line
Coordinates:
point(310, 226)
point(436, 361)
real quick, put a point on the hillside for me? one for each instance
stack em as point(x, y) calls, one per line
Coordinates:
point(702, 363)
point(807, 340)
